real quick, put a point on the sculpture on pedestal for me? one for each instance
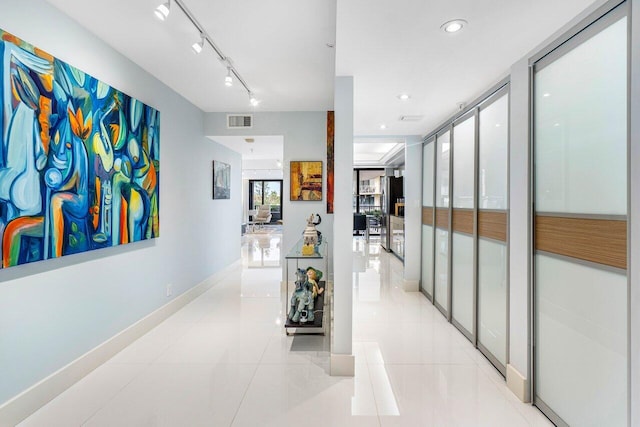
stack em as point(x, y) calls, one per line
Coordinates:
point(305, 294)
point(302, 300)
point(311, 236)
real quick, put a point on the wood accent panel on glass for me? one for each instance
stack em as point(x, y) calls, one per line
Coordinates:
point(463, 221)
point(427, 215)
point(492, 225)
point(596, 240)
point(442, 218)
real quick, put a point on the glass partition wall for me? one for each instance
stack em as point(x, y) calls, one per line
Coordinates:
point(492, 261)
point(580, 220)
point(580, 284)
point(443, 219)
point(464, 239)
point(428, 217)
point(463, 242)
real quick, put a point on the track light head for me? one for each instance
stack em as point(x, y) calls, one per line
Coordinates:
point(162, 11)
point(228, 80)
point(198, 46)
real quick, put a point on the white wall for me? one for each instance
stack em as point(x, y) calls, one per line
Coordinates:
point(519, 220)
point(264, 168)
point(54, 311)
point(305, 138)
point(342, 363)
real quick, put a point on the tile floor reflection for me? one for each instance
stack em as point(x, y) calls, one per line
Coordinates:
point(261, 250)
point(199, 368)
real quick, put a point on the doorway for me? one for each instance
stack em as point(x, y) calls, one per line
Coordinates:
point(267, 192)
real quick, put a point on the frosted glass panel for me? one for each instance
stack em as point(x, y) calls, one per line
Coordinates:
point(462, 280)
point(581, 127)
point(581, 342)
point(427, 259)
point(493, 151)
point(427, 174)
point(492, 298)
point(580, 146)
point(442, 170)
point(442, 264)
point(464, 163)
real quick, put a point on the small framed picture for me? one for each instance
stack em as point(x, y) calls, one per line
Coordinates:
point(306, 181)
point(221, 180)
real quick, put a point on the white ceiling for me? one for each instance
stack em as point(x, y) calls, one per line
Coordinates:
point(279, 47)
point(376, 151)
point(266, 151)
point(398, 47)
point(263, 146)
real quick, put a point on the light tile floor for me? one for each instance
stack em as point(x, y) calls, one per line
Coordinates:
point(224, 360)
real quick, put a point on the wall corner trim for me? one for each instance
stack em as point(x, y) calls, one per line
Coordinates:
point(29, 401)
point(343, 365)
point(518, 384)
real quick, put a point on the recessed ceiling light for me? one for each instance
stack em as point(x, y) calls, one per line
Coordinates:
point(404, 97)
point(453, 26)
point(383, 126)
point(546, 95)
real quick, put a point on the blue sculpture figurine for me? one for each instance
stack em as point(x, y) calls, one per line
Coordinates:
point(302, 300)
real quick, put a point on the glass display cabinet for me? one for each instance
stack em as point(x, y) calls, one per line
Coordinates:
point(295, 260)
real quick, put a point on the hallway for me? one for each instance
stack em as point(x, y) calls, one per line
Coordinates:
point(225, 360)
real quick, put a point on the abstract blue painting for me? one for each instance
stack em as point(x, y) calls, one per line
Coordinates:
point(79, 160)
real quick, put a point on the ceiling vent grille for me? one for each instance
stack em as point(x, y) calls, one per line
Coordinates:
point(411, 118)
point(238, 121)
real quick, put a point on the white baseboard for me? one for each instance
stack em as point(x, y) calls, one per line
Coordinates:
point(411, 285)
point(343, 365)
point(26, 403)
point(518, 384)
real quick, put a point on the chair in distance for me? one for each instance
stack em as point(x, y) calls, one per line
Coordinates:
point(263, 215)
point(359, 224)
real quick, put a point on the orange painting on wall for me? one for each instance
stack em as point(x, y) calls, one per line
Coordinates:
point(306, 181)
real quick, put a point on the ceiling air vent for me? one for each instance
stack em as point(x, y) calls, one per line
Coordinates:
point(237, 121)
point(411, 118)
